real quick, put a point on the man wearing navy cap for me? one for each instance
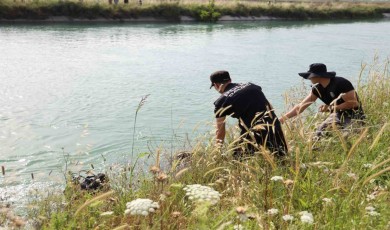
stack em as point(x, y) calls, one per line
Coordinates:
point(257, 120)
point(337, 93)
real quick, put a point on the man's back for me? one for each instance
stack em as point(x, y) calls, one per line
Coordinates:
point(241, 101)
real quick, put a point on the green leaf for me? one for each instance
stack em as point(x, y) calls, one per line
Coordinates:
point(142, 155)
point(303, 203)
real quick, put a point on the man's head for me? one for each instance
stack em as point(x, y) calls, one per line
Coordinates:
point(219, 78)
point(316, 72)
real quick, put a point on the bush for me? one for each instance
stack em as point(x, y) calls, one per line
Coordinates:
point(209, 14)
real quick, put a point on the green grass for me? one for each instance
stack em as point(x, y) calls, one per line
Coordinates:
point(201, 11)
point(336, 171)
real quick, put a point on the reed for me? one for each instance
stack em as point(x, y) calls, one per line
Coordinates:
point(87, 203)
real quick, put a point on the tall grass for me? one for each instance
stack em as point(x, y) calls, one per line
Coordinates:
point(341, 189)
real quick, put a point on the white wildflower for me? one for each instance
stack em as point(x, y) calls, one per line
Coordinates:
point(368, 165)
point(277, 178)
point(272, 211)
point(141, 207)
point(238, 227)
point(127, 212)
point(200, 193)
point(306, 217)
point(373, 213)
point(327, 200)
point(385, 104)
point(352, 175)
point(370, 197)
point(287, 217)
point(163, 197)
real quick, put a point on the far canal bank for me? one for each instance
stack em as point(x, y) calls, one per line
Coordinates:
point(68, 11)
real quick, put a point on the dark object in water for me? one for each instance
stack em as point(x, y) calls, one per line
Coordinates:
point(93, 182)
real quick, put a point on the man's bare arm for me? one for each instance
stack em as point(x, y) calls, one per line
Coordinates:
point(350, 101)
point(299, 108)
point(220, 133)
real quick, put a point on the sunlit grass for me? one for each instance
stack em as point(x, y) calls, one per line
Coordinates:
point(343, 184)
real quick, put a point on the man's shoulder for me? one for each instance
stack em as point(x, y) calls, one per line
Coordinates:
point(236, 89)
point(338, 79)
point(221, 99)
point(254, 85)
point(342, 82)
point(239, 88)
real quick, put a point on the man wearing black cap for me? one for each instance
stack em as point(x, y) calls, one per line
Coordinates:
point(257, 120)
point(337, 93)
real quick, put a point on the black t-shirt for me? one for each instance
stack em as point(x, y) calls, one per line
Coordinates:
point(336, 86)
point(242, 101)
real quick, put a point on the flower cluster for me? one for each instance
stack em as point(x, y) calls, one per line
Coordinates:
point(200, 193)
point(286, 182)
point(306, 217)
point(370, 197)
point(368, 165)
point(353, 176)
point(238, 227)
point(371, 211)
point(287, 217)
point(277, 178)
point(141, 207)
point(272, 211)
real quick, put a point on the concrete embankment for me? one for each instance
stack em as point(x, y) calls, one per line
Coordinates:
point(225, 18)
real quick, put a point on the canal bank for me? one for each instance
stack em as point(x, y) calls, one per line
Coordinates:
point(177, 12)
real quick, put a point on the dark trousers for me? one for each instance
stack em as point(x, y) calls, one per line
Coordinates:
point(271, 136)
point(342, 121)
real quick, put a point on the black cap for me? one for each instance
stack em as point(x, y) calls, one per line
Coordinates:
point(221, 76)
point(317, 70)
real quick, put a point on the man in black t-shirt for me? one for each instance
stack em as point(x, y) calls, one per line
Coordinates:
point(257, 120)
point(337, 93)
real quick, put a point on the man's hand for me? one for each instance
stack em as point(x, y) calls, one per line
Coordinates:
point(323, 108)
point(218, 145)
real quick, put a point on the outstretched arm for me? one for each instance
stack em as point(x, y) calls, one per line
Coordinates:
point(350, 101)
point(220, 133)
point(299, 108)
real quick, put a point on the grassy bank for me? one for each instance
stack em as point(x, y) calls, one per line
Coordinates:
point(200, 11)
point(341, 182)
